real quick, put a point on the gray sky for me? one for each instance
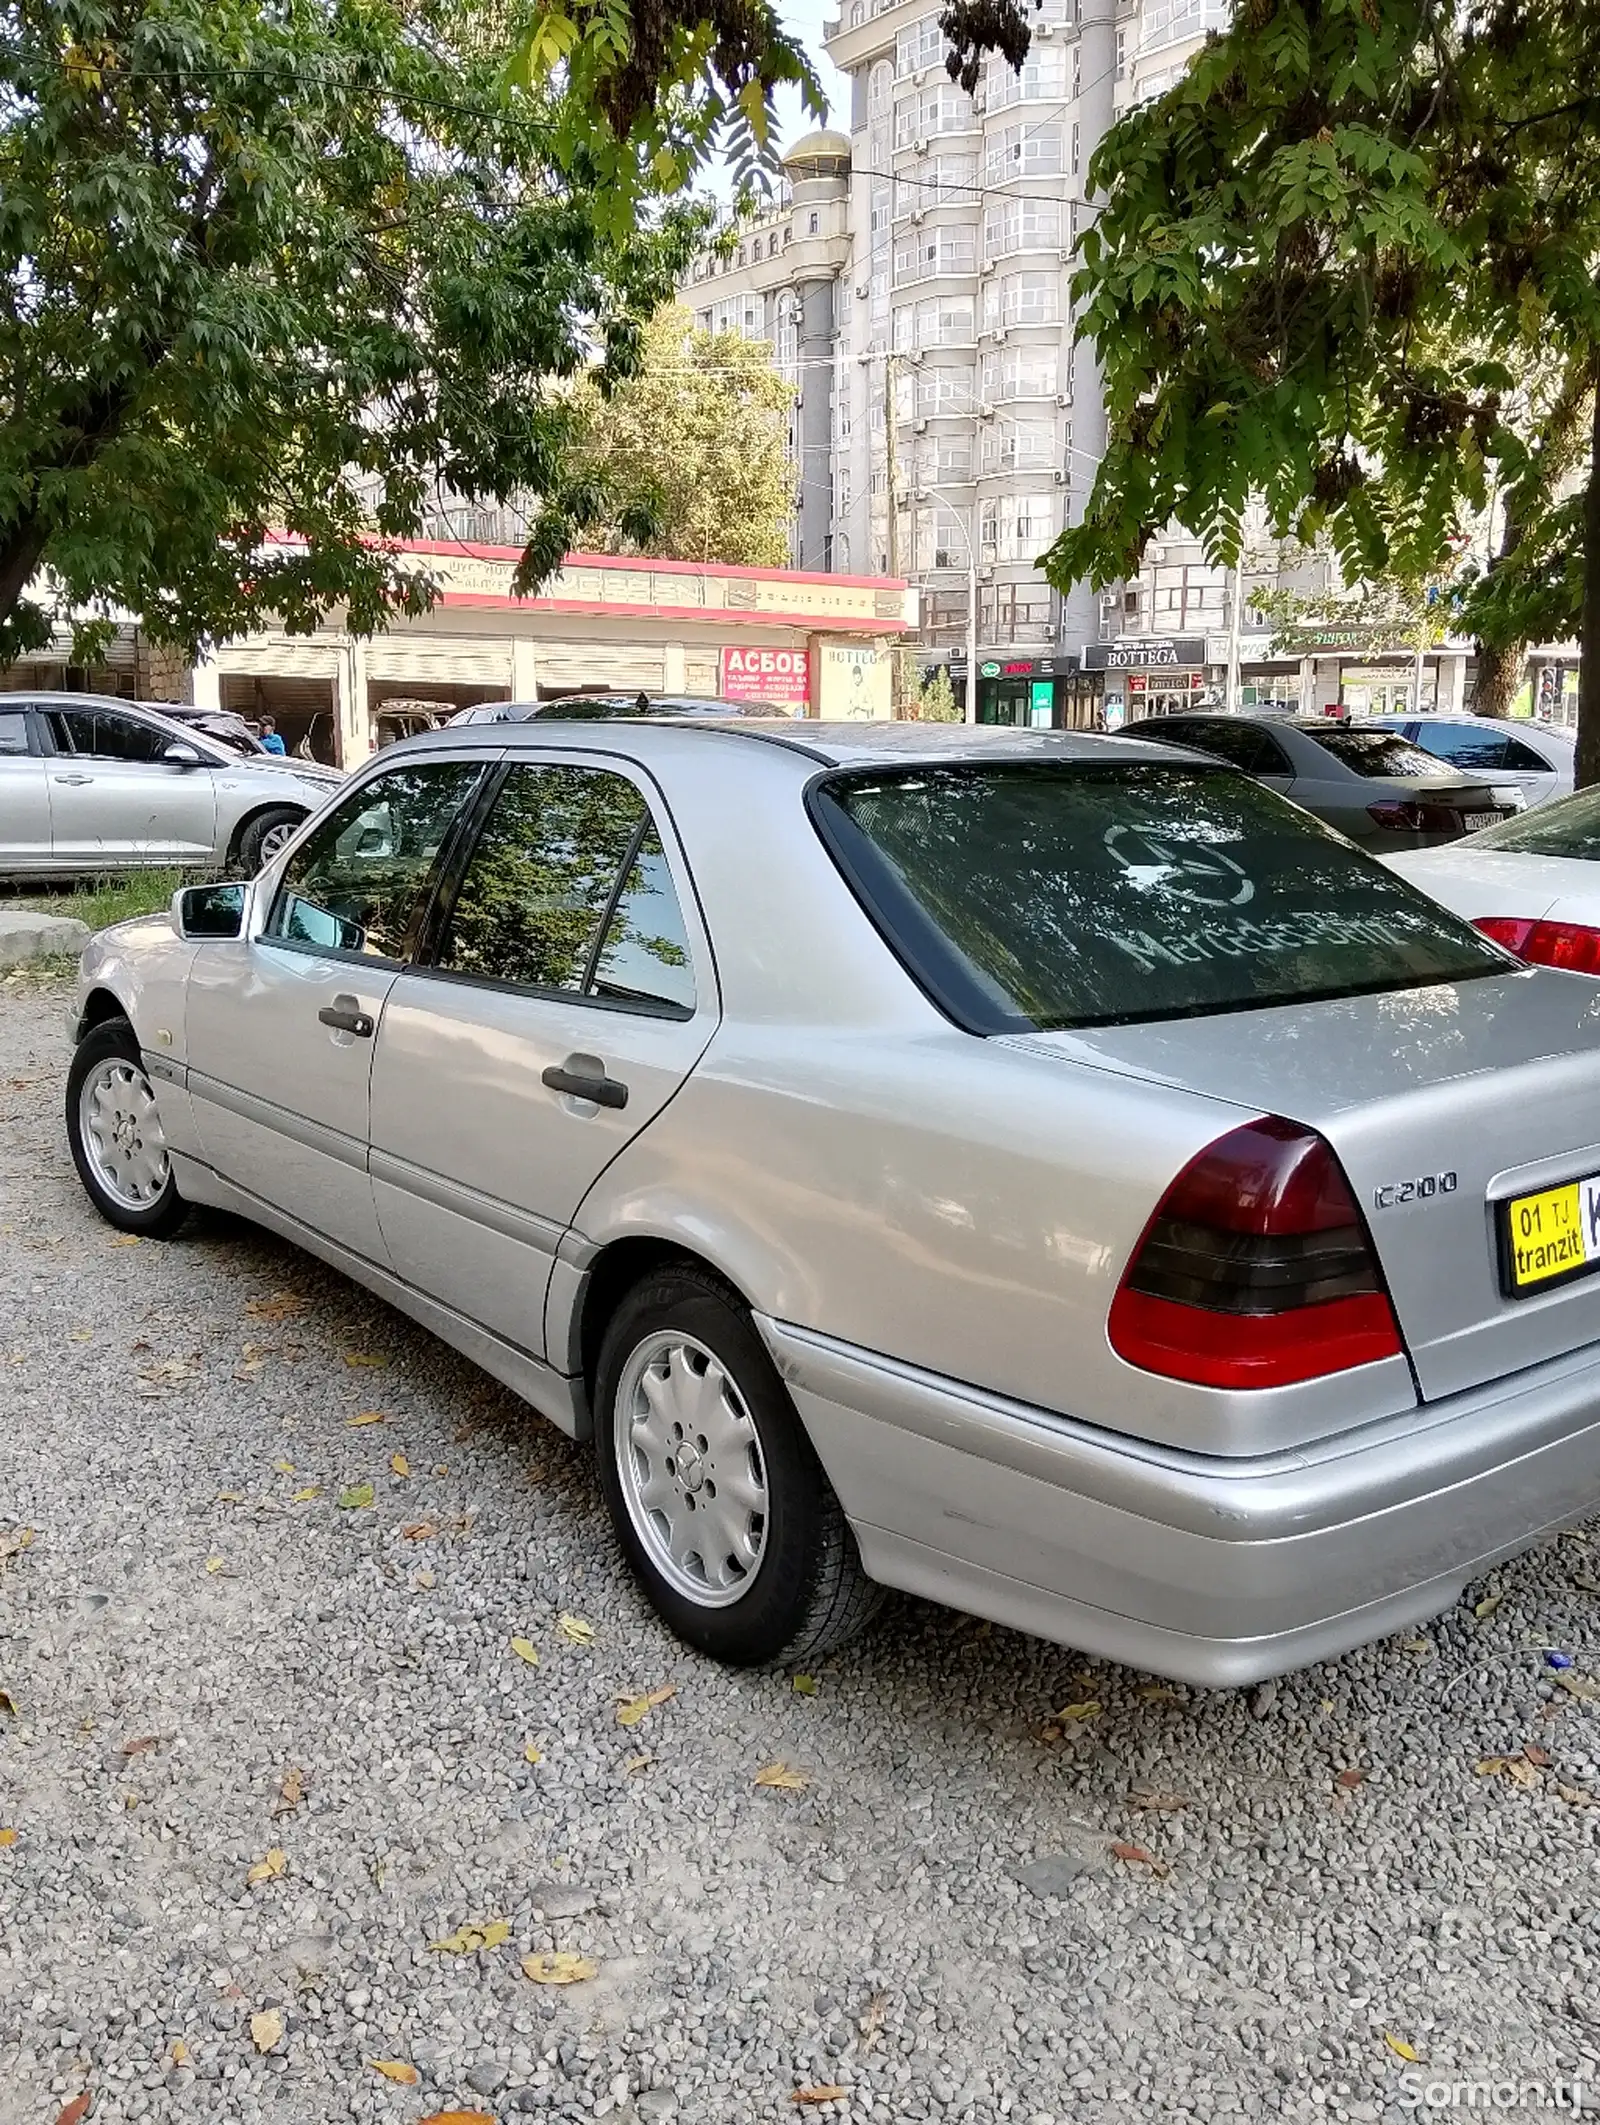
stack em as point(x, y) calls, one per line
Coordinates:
point(805, 19)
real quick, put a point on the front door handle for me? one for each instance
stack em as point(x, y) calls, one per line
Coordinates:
point(345, 1018)
point(584, 1077)
point(74, 781)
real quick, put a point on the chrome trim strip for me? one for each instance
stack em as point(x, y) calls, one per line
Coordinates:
point(527, 1226)
point(163, 1066)
point(316, 1136)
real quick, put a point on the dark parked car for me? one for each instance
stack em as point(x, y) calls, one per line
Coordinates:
point(1368, 783)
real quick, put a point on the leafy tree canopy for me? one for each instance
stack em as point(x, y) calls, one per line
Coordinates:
point(1329, 260)
point(692, 450)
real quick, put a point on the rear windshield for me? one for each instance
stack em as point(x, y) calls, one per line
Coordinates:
point(1569, 827)
point(1027, 896)
point(1378, 753)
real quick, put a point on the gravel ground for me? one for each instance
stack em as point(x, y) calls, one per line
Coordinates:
point(960, 1911)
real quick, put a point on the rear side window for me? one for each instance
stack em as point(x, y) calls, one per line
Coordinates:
point(1029, 897)
point(1465, 746)
point(1243, 745)
point(1377, 753)
point(13, 732)
point(1569, 827)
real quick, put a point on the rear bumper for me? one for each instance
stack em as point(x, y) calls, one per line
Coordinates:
point(1215, 1571)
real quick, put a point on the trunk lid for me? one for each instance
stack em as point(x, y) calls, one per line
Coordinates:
point(1495, 1080)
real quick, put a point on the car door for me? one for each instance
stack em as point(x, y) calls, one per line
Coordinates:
point(116, 799)
point(24, 795)
point(279, 1024)
point(569, 993)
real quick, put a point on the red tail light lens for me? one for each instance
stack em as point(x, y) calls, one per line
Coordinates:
point(1572, 945)
point(1408, 816)
point(1256, 1270)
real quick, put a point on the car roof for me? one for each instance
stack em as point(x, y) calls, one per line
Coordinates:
point(833, 744)
point(1517, 726)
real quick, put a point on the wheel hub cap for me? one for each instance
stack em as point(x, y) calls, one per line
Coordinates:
point(692, 1473)
point(121, 1133)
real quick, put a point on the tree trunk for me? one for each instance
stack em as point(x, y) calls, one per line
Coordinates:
point(21, 550)
point(1499, 675)
point(1586, 766)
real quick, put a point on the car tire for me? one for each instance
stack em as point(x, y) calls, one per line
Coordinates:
point(111, 1112)
point(776, 1578)
point(265, 836)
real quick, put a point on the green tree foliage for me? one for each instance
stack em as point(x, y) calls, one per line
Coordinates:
point(1329, 260)
point(937, 703)
point(693, 446)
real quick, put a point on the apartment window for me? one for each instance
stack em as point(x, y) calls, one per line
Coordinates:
point(1019, 372)
point(1022, 225)
point(945, 321)
point(772, 244)
point(945, 109)
point(1019, 446)
point(1121, 73)
point(943, 391)
point(1077, 72)
point(989, 531)
point(920, 45)
point(950, 460)
point(921, 255)
point(813, 224)
point(1022, 299)
point(1043, 78)
point(1023, 151)
point(949, 542)
point(944, 612)
point(1075, 152)
point(880, 89)
point(879, 287)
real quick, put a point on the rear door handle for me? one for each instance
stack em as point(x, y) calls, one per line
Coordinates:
point(346, 1019)
point(584, 1077)
point(74, 780)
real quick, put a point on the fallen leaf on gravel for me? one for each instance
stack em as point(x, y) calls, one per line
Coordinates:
point(1489, 1766)
point(141, 1744)
point(8, 1704)
point(1158, 1693)
point(1418, 1646)
point(266, 2029)
point(575, 1630)
point(126, 1239)
point(180, 2052)
point(400, 1465)
point(780, 1775)
point(1400, 2048)
point(213, 1564)
point(1534, 1754)
point(282, 1306)
point(456, 2117)
point(172, 1369)
point(72, 2113)
point(631, 1710)
point(475, 1934)
point(80, 1335)
point(1154, 1797)
point(1351, 1777)
point(367, 1416)
point(230, 1497)
point(356, 1497)
point(1521, 1772)
point(525, 1649)
point(269, 1869)
point(636, 1764)
point(1577, 1797)
point(9, 1837)
point(291, 1792)
point(426, 1580)
point(1580, 1686)
point(562, 1968)
point(284, 1468)
point(419, 1530)
point(532, 1755)
point(396, 2070)
point(304, 1497)
point(1487, 1606)
point(1088, 1710)
point(13, 1542)
point(820, 2092)
point(870, 2023)
point(1137, 1856)
point(358, 1358)
point(804, 1685)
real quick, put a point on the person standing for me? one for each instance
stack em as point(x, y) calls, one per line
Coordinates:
point(270, 741)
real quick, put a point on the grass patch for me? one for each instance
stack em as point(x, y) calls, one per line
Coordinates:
point(99, 901)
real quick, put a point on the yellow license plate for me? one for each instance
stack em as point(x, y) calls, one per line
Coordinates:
point(1552, 1236)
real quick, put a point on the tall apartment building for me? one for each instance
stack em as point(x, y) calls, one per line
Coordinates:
point(914, 281)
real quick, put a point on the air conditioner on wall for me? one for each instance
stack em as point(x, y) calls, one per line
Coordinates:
point(1063, 398)
point(919, 147)
point(986, 268)
point(999, 334)
point(915, 216)
point(986, 413)
point(1060, 478)
point(863, 290)
point(919, 428)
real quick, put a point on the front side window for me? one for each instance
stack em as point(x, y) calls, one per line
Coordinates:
point(568, 890)
point(13, 732)
point(99, 734)
point(360, 882)
point(1033, 897)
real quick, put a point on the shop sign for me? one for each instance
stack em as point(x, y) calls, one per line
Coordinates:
point(781, 676)
point(988, 671)
point(1176, 653)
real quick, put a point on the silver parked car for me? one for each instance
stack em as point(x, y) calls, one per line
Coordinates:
point(1045, 1172)
point(1536, 756)
point(1366, 781)
point(93, 784)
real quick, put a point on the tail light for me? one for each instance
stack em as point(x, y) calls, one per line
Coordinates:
point(1409, 815)
point(1256, 1270)
point(1573, 946)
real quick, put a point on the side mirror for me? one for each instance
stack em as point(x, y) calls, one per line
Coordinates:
point(208, 910)
point(178, 754)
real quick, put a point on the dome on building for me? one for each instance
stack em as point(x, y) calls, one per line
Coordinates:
point(821, 154)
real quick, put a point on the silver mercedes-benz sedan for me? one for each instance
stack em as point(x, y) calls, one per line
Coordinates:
point(88, 783)
point(1045, 1172)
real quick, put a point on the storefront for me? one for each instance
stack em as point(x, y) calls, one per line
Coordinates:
point(1162, 677)
point(1044, 692)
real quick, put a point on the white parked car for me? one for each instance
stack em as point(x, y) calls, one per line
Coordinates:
point(1534, 755)
point(1531, 883)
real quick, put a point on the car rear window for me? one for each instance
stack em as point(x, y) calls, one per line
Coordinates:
point(1569, 827)
point(1378, 753)
point(1037, 897)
